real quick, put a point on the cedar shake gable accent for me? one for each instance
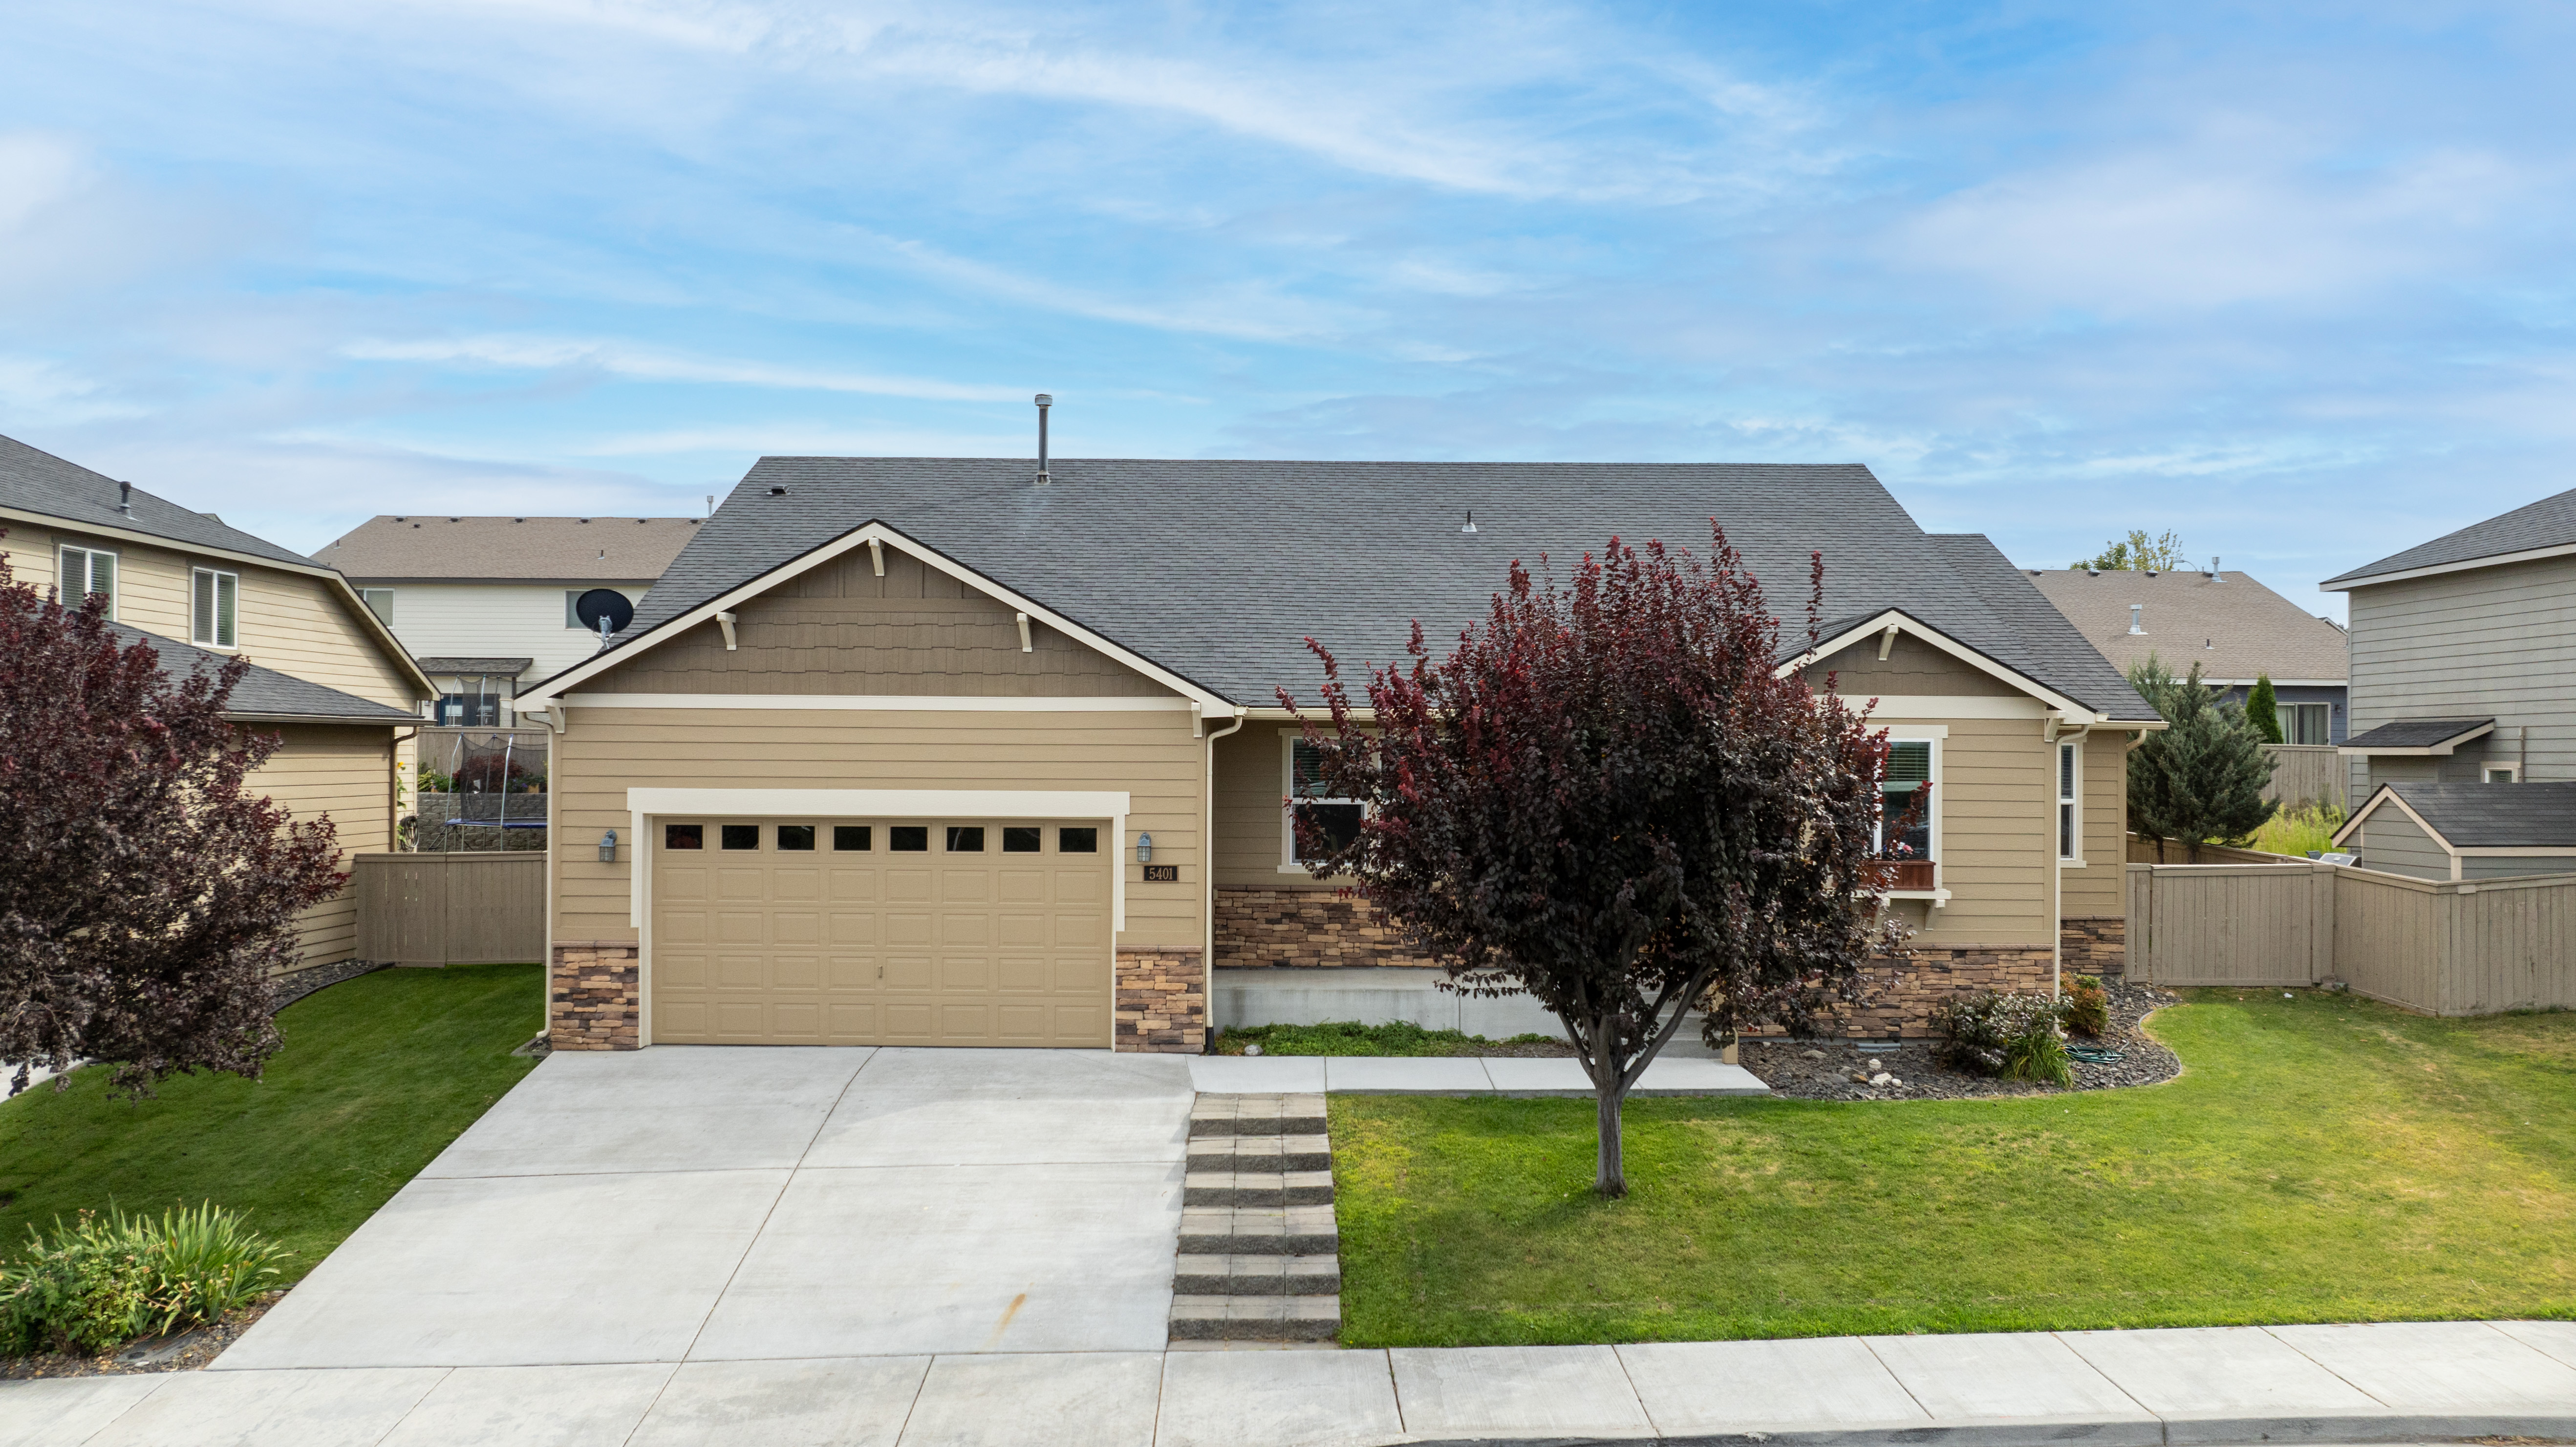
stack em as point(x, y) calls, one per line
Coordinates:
point(1212, 575)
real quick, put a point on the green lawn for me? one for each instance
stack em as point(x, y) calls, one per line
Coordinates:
point(2321, 1159)
point(378, 1074)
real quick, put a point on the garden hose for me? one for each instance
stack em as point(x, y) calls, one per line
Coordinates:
point(2095, 1054)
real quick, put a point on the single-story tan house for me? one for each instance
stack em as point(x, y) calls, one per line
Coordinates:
point(328, 676)
point(935, 751)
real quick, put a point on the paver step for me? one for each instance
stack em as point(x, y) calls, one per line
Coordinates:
point(1257, 1188)
point(1258, 1276)
point(1259, 1231)
point(1224, 1115)
point(1261, 1153)
point(1256, 1318)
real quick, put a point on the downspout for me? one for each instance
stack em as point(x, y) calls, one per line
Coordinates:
point(552, 717)
point(1207, 883)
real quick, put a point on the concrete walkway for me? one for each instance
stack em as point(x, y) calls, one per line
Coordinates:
point(2386, 1383)
point(1452, 1075)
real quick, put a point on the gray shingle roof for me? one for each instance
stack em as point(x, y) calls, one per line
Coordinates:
point(2416, 733)
point(2548, 523)
point(2496, 816)
point(265, 692)
point(1219, 570)
point(2232, 626)
point(40, 482)
point(437, 666)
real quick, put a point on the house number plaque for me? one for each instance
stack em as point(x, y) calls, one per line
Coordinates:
point(1162, 873)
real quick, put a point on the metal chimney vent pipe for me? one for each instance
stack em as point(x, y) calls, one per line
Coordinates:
point(2136, 610)
point(125, 498)
point(1044, 402)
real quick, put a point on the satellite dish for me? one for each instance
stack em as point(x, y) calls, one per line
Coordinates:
point(604, 610)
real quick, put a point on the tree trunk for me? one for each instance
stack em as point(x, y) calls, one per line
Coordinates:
point(1610, 1177)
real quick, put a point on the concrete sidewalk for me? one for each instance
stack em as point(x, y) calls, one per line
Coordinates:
point(2400, 1382)
point(1452, 1075)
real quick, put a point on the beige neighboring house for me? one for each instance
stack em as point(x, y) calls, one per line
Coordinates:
point(2232, 626)
point(327, 676)
point(948, 752)
point(485, 604)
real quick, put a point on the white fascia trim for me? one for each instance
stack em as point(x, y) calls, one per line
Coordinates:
point(643, 804)
point(1914, 730)
point(2387, 795)
point(2497, 560)
point(2441, 750)
point(2510, 851)
point(1907, 623)
point(1322, 716)
point(2279, 683)
point(918, 703)
point(859, 537)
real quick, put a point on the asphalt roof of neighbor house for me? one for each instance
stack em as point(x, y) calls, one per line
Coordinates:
point(1219, 570)
point(2496, 816)
point(437, 666)
point(2229, 624)
point(2415, 733)
point(265, 692)
point(38, 481)
point(417, 549)
point(2548, 523)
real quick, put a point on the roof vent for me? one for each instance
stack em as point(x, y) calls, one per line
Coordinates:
point(1471, 521)
point(1044, 402)
point(2214, 574)
point(2137, 616)
point(778, 492)
point(2092, 572)
point(125, 498)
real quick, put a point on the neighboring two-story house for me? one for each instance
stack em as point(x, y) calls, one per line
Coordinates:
point(2463, 743)
point(2236, 629)
point(951, 752)
point(327, 676)
point(486, 603)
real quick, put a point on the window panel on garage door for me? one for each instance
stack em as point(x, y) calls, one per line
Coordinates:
point(991, 932)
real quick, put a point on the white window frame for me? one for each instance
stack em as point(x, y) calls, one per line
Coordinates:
point(2070, 802)
point(385, 614)
point(1936, 735)
point(1289, 738)
point(2500, 773)
point(2324, 709)
point(209, 633)
point(63, 554)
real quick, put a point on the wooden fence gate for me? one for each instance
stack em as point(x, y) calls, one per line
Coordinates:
point(450, 909)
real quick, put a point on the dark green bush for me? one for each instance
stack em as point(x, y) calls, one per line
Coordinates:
point(2086, 1009)
point(2013, 1036)
point(103, 1281)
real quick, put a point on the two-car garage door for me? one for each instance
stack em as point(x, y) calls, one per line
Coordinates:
point(880, 932)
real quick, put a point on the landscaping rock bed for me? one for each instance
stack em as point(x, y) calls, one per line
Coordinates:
point(1823, 1069)
point(181, 1352)
point(294, 985)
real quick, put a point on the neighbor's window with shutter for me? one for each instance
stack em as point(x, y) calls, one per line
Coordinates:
point(215, 610)
point(86, 571)
point(1338, 819)
point(1909, 774)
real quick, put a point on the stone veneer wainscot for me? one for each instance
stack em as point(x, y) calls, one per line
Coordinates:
point(1304, 928)
point(1162, 1001)
point(2097, 945)
point(593, 1001)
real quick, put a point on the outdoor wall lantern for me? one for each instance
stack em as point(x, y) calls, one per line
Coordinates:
point(1144, 848)
point(608, 847)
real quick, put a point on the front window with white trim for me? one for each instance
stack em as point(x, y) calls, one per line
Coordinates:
point(86, 571)
point(214, 612)
point(1337, 819)
point(2070, 823)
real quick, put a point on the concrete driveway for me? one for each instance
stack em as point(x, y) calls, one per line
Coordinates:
point(701, 1203)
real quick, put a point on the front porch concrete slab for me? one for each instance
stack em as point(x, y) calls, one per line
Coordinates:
point(2438, 1367)
point(1003, 1107)
point(1436, 1075)
point(901, 1260)
point(1278, 1399)
point(1257, 1074)
point(1516, 1391)
point(595, 1406)
point(270, 1409)
point(1075, 1399)
point(2232, 1371)
point(1732, 1386)
point(671, 1108)
point(521, 1270)
point(2004, 1376)
point(56, 1410)
point(843, 1402)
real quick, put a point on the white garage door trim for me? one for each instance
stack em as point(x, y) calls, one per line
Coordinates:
point(643, 804)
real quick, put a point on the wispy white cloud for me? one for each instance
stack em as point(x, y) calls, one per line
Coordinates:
point(653, 364)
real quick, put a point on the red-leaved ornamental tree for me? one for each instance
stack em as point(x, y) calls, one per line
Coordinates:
point(1607, 797)
point(146, 895)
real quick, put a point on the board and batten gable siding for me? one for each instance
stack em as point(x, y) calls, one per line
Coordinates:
point(1149, 754)
point(2486, 642)
point(292, 622)
point(1912, 668)
point(496, 620)
point(841, 629)
point(343, 772)
point(2395, 844)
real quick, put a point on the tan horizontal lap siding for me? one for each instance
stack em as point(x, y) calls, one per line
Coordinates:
point(1150, 755)
point(2095, 890)
point(1251, 826)
point(1998, 850)
point(341, 773)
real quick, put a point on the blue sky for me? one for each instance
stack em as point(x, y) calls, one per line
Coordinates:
point(2293, 281)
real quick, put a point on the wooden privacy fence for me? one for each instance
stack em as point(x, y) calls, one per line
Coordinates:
point(450, 909)
point(2472, 947)
point(2305, 774)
